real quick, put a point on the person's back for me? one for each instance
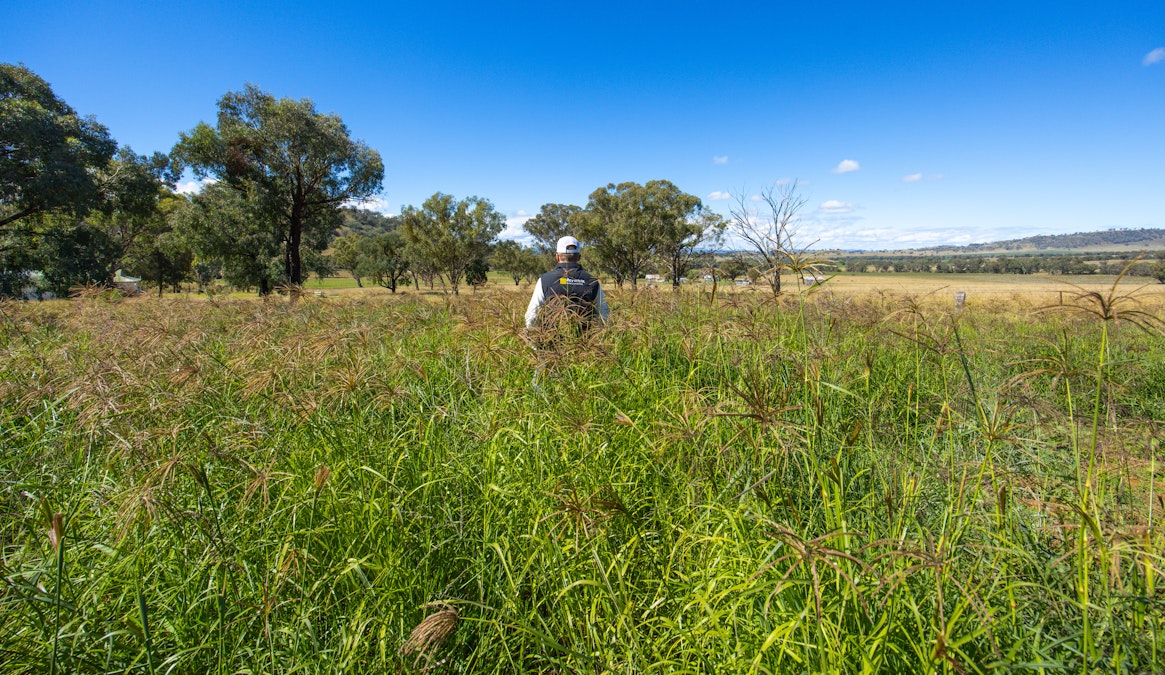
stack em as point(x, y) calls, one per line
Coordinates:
point(567, 291)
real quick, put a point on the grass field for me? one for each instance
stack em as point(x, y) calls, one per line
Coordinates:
point(861, 479)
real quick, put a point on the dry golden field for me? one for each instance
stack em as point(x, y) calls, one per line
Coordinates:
point(1026, 290)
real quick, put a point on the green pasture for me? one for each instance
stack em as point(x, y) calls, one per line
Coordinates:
point(832, 482)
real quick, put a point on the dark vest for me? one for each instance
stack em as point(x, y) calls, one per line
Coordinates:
point(570, 283)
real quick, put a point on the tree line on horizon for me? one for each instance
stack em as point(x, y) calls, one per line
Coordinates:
point(1041, 263)
point(279, 183)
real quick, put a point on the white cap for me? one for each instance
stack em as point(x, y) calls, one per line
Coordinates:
point(568, 245)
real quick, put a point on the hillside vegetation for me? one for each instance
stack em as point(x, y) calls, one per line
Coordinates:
point(1147, 239)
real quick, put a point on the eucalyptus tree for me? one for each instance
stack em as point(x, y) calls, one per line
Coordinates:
point(448, 235)
point(164, 255)
point(735, 266)
point(72, 249)
point(683, 228)
point(360, 237)
point(628, 225)
point(617, 238)
point(552, 222)
point(505, 257)
point(71, 254)
point(296, 164)
point(383, 259)
point(167, 261)
point(51, 161)
point(136, 199)
point(516, 260)
point(227, 229)
point(347, 253)
point(50, 157)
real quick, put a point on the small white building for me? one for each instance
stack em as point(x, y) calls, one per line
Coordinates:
point(127, 285)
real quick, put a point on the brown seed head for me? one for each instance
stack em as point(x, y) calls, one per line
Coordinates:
point(57, 530)
point(322, 477)
point(431, 633)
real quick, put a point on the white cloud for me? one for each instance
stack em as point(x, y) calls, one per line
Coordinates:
point(847, 166)
point(835, 206)
point(513, 229)
point(1155, 56)
point(912, 178)
point(921, 237)
point(719, 196)
point(377, 204)
point(193, 187)
point(720, 159)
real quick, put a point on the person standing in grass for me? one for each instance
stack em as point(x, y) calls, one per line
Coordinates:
point(567, 291)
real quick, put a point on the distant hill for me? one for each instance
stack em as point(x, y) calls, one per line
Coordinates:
point(1080, 242)
point(365, 222)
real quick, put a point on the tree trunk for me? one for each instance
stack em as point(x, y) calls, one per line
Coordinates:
point(775, 282)
point(294, 238)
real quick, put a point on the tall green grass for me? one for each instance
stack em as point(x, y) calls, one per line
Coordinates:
point(823, 483)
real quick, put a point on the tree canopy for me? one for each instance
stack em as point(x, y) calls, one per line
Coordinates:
point(222, 225)
point(383, 259)
point(628, 225)
point(69, 206)
point(517, 261)
point(551, 224)
point(49, 155)
point(448, 235)
point(299, 165)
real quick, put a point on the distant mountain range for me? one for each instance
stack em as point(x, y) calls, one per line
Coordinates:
point(1080, 242)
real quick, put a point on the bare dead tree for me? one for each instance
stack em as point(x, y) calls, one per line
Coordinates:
point(771, 236)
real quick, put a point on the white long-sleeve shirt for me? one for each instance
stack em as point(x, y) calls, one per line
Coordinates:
point(538, 298)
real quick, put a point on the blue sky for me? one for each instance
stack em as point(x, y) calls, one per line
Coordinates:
point(907, 124)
